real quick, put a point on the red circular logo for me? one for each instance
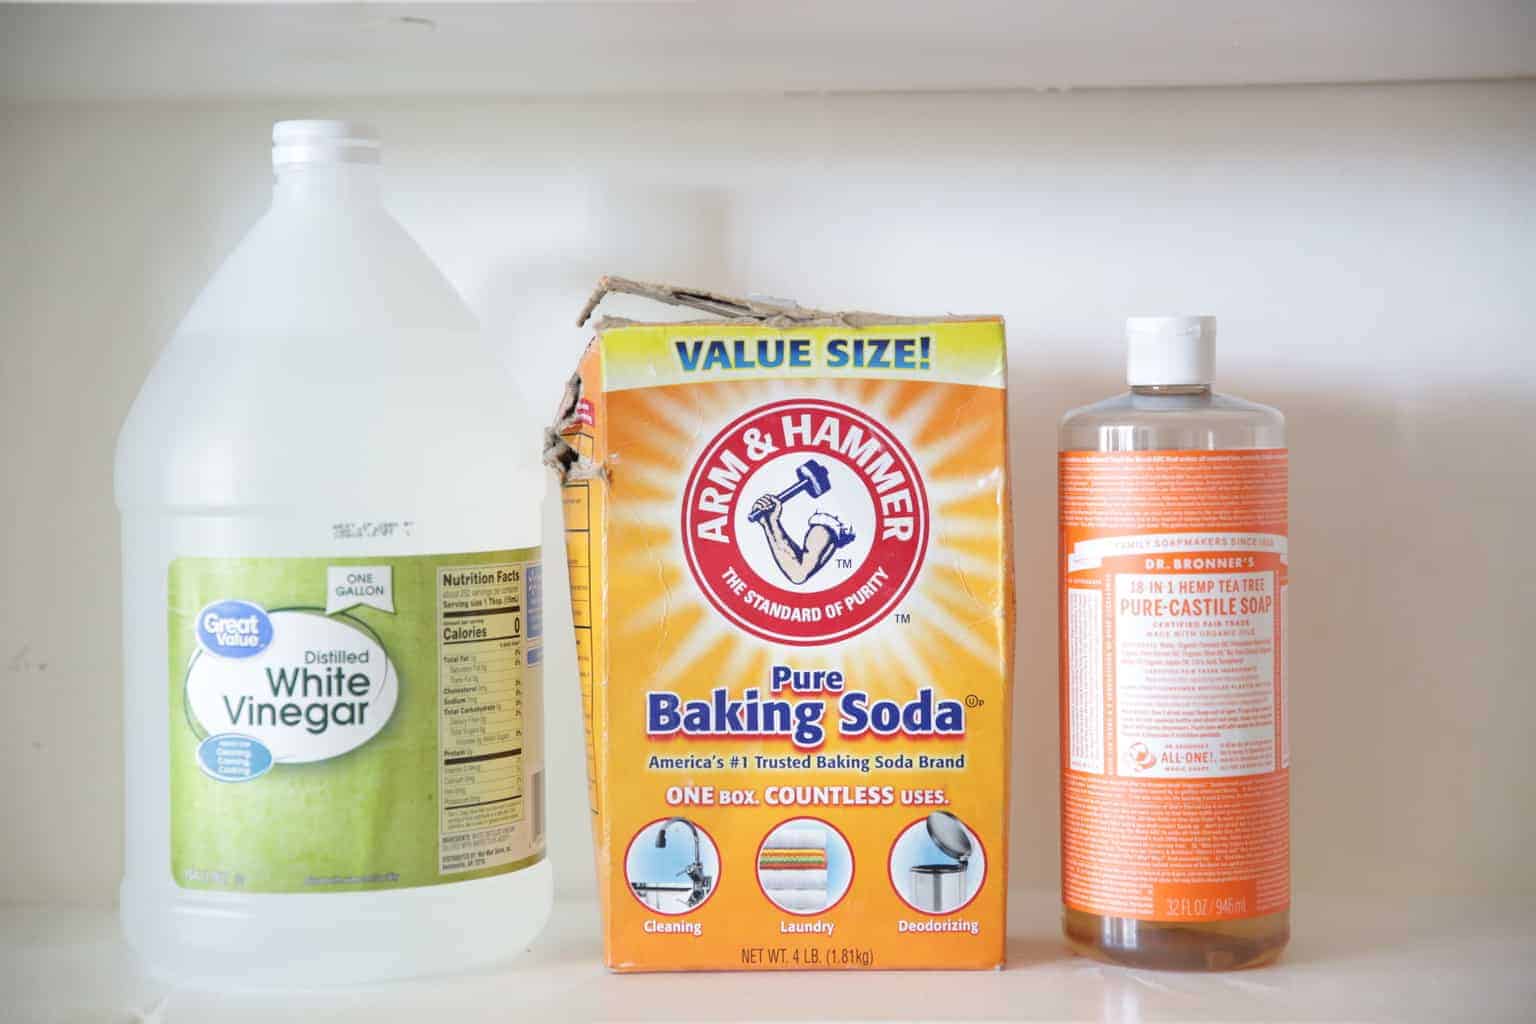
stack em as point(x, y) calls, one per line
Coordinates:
point(805, 521)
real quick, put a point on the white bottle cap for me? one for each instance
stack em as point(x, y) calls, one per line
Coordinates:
point(323, 142)
point(1170, 350)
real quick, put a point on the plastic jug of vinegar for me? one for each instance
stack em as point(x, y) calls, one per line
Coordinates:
point(332, 610)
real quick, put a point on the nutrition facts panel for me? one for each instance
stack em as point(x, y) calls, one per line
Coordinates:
point(482, 616)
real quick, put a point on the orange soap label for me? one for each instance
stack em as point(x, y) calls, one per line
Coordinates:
point(1175, 757)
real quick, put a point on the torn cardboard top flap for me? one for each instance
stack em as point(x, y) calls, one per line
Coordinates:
point(729, 306)
point(733, 309)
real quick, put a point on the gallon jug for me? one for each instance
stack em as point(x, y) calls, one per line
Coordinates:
point(333, 752)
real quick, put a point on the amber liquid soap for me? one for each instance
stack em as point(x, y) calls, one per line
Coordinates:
point(1155, 575)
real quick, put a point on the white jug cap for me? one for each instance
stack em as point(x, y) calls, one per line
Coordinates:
point(1170, 350)
point(323, 142)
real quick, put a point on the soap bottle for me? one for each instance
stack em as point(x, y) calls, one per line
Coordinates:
point(330, 501)
point(1174, 734)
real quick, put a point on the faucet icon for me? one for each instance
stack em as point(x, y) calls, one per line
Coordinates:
point(695, 870)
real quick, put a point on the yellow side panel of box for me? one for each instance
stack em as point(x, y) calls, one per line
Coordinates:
point(585, 504)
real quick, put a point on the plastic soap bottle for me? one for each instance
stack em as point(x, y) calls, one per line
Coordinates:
point(331, 628)
point(1175, 754)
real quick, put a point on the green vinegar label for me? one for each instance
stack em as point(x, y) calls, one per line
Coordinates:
point(340, 724)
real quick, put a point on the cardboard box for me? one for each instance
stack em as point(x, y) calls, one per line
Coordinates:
point(788, 535)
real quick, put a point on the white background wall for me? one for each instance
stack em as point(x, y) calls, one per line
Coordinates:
point(1371, 252)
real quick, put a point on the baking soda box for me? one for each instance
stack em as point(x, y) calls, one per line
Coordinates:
point(788, 536)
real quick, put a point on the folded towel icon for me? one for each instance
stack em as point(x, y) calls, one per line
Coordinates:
point(792, 867)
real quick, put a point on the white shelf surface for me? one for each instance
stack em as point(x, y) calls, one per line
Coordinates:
point(583, 48)
point(1347, 962)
